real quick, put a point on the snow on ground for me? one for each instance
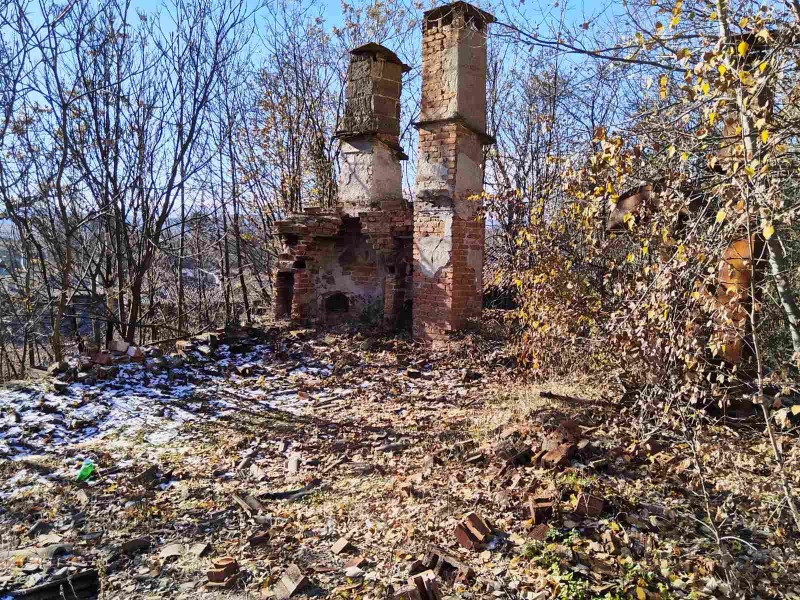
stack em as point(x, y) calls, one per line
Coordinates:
point(147, 402)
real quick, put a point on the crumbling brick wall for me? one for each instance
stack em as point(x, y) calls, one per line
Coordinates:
point(360, 254)
point(352, 261)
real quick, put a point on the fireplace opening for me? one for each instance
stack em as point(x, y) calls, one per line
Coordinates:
point(284, 292)
point(337, 303)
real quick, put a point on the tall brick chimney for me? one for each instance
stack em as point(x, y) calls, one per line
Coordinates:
point(448, 226)
point(370, 129)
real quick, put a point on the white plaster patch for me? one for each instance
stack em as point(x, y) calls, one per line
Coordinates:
point(465, 208)
point(475, 261)
point(369, 171)
point(434, 250)
point(470, 175)
point(356, 146)
point(431, 174)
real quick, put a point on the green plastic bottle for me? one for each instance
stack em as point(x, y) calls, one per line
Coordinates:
point(86, 470)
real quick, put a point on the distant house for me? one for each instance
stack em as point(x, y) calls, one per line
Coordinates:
point(11, 261)
point(194, 276)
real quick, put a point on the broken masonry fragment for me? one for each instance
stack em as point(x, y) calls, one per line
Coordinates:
point(103, 359)
point(445, 566)
point(184, 347)
point(541, 508)
point(119, 346)
point(259, 537)
point(515, 453)
point(172, 551)
point(590, 506)
point(58, 367)
point(224, 571)
point(356, 561)
point(463, 537)
point(199, 549)
point(293, 465)
point(559, 456)
point(539, 533)
point(472, 531)
point(135, 545)
point(341, 545)
point(135, 354)
point(426, 585)
point(477, 527)
point(291, 582)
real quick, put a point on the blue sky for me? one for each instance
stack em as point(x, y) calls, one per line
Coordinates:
point(534, 11)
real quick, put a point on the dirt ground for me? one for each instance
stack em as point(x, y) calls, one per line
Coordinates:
point(390, 445)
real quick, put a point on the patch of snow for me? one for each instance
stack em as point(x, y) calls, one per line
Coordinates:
point(140, 402)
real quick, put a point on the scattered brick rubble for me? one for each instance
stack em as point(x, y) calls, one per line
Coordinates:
point(472, 531)
point(291, 582)
point(224, 571)
point(530, 504)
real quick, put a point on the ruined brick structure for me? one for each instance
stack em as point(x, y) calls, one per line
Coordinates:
point(448, 227)
point(374, 253)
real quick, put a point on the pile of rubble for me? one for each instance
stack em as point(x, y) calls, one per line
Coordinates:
point(97, 365)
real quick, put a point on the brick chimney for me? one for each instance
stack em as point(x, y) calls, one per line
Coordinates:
point(370, 129)
point(448, 226)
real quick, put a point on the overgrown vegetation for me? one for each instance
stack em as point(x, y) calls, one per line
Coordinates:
point(664, 258)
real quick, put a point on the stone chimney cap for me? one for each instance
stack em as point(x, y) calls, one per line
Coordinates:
point(377, 50)
point(473, 11)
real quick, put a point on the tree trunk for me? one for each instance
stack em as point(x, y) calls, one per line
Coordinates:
point(777, 266)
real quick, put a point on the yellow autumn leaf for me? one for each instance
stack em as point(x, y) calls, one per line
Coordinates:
point(720, 215)
point(743, 22)
point(705, 87)
point(671, 151)
point(674, 22)
point(711, 116)
point(768, 231)
point(722, 70)
point(764, 136)
point(742, 48)
point(684, 156)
